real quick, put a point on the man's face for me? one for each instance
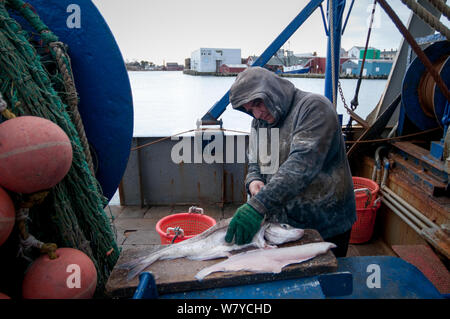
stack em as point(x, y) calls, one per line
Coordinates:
point(259, 110)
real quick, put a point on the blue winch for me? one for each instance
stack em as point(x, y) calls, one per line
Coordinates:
point(422, 101)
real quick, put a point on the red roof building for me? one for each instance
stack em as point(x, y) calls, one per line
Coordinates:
point(232, 68)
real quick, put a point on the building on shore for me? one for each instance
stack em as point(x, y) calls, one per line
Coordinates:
point(317, 64)
point(281, 59)
point(173, 66)
point(232, 68)
point(388, 55)
point(206, 60)
point(357, 52)
point(351, 67)
point(372, 68)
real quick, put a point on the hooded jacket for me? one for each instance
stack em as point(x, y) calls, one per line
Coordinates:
point(313, 186)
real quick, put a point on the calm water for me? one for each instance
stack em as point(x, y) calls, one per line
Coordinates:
point(166, 103)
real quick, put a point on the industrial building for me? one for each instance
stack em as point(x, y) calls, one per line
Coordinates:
point(374, 68)
point(232, 68)
point(210, 59)
point(358, 53)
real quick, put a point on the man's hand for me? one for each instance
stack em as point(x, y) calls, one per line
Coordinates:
point(255, 187)
point(244, 225)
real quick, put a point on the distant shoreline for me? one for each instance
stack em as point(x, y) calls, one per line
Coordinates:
point(303, 75)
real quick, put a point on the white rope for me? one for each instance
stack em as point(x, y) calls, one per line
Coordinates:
point(3, 104)
point(29, 242)
point(427, 17)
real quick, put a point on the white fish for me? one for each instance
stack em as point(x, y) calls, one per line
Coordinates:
point(267, 260)
point(211, 244)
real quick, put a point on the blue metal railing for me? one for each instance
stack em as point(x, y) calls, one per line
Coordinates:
point(220, 106)
point(338, 9)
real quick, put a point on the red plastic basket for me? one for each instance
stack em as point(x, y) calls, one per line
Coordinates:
point(362, 229)
point(366, 191)
point(191, 224)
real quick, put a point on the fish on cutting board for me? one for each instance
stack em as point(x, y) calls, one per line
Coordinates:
point(267, 260)
point(211, 244)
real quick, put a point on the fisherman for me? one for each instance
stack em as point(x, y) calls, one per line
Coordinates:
point(312, 187)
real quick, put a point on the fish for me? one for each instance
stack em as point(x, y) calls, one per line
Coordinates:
point(211, 244)
point(267, 260)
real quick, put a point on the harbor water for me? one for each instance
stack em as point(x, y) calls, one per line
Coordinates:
point(170, 102)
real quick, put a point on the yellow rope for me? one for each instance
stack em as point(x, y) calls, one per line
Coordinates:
point(236, 131)
point(189, 131)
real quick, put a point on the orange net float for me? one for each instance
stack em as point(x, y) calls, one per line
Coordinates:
point(7, 216)
point(35, 154)
point(66, 274)
point(3, 296)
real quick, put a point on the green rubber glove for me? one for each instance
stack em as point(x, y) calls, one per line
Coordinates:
point(244, 225)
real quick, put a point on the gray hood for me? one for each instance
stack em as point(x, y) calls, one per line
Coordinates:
point(256, 82)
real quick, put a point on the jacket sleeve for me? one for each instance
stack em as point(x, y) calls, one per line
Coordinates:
point(254, 172)
point(314, 130)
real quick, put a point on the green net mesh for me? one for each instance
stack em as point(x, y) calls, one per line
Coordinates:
point(73, 214)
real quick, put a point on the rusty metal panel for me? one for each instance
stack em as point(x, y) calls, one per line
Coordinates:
point(152, 178)
point(130, 193)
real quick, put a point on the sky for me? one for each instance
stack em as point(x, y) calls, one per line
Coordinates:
point(162, 31)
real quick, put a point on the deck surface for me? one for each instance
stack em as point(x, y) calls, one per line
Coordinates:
point(135, 231)
point(135, 227)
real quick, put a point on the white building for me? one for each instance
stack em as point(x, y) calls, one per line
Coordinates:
point(210, 59)
point(353, 53)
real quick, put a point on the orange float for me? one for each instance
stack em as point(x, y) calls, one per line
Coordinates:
point(7, 216)
point(35, 154)
point(3, 296)
point(72, 275)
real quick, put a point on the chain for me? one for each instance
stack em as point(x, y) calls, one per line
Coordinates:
point(343, 98)
point(349, 123)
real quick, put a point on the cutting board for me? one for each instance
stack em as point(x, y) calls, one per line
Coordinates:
point(177, 275)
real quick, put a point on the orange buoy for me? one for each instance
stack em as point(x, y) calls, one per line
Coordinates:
point(3, 296)
point(35, 154)
point(72, 275)
point(7, 216)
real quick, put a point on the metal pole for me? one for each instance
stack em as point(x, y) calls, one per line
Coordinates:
point(335, 14)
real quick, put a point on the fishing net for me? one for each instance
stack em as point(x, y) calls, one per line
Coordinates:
point(33, 67)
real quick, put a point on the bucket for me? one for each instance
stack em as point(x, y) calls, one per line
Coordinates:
point(178, 227)
point(366, 191)
point(362, 229)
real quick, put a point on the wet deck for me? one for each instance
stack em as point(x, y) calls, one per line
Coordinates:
point(135, 227)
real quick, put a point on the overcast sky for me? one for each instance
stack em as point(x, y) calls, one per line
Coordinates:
point(169, 30)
